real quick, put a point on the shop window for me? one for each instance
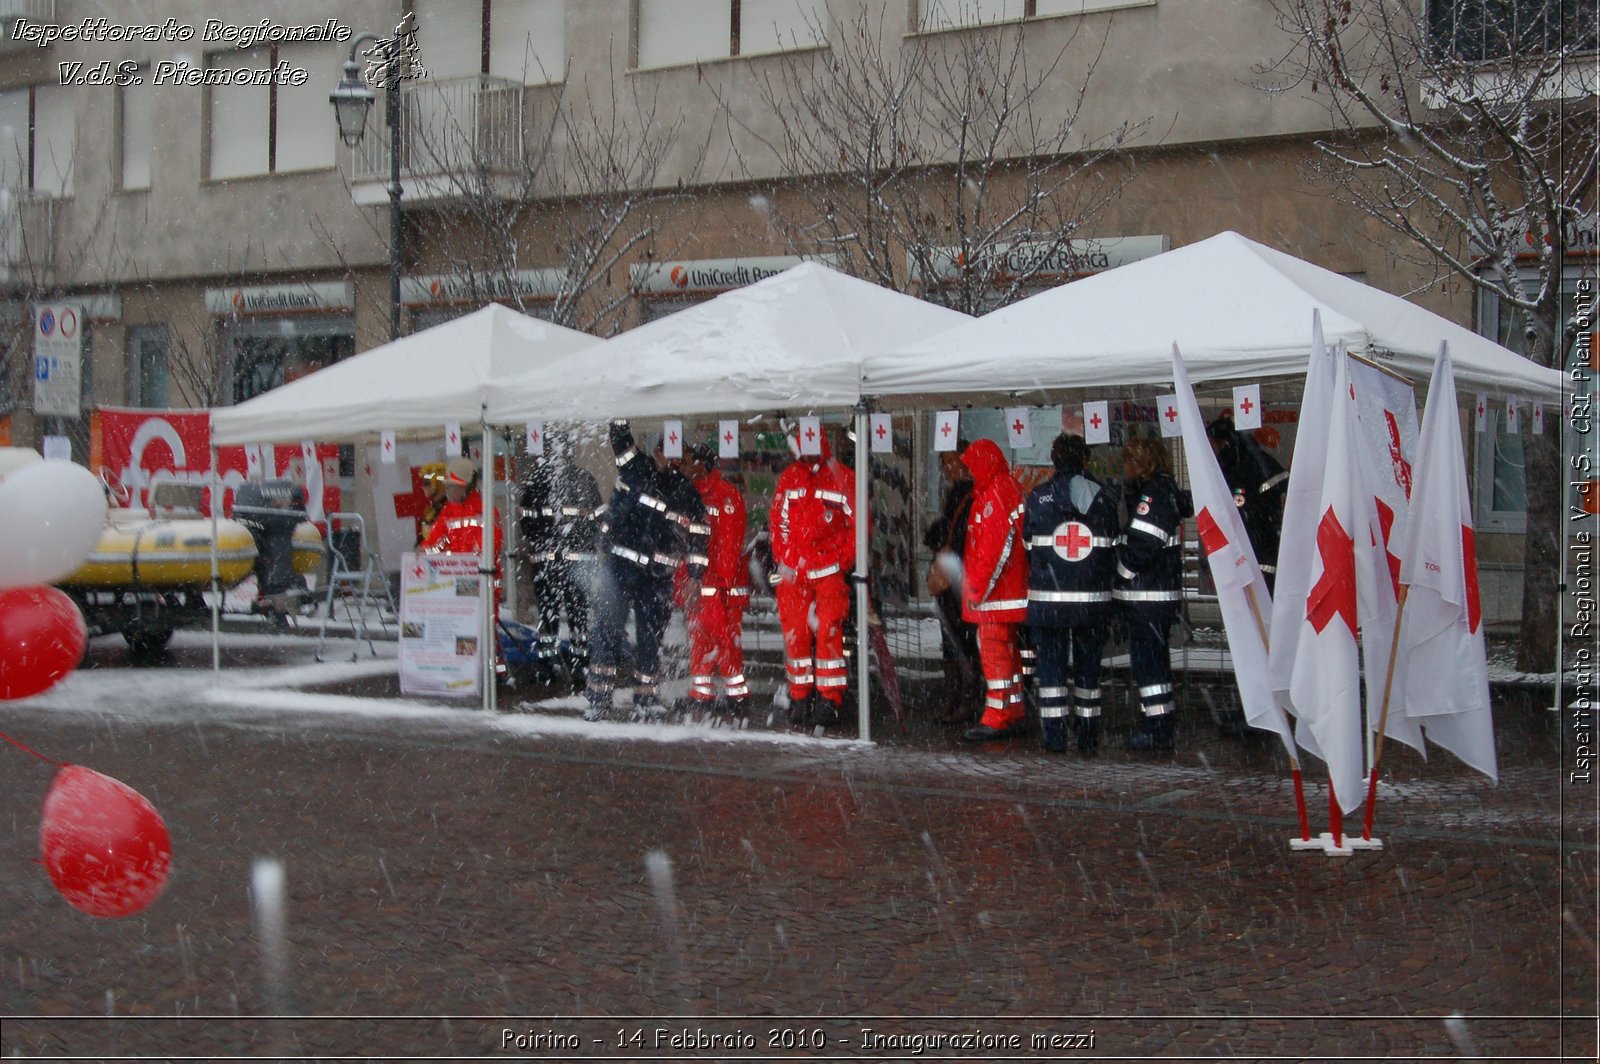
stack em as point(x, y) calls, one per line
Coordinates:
point(674, 33)
point(1499, 479)
point(954, 14)
point(38, 139)
point(263, 354)
point(149, 349)
point(133, 128)
point(525, 42)
point(274, 128)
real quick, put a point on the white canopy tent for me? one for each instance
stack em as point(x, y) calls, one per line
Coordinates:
point(795, 341)
point(413, 385)
point(792, 342)
point(1236, 308)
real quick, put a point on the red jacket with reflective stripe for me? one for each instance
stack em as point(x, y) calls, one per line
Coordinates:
point(459, 529)
point(726, 515)
point(994, 585)
point(813, 518)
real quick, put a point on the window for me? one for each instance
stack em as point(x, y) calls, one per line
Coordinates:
point(1499, 480)
point(266, 352)
point(148, 350)
point(275, 128)
point(525, 42)
point(674, 33)
point(133, 126)
point(1485, 30)
point(951, 14)
point(38, 139)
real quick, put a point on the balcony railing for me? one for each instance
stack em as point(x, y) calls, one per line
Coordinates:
point(452, 130)
point(27, 235)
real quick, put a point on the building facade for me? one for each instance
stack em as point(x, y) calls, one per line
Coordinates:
point(182, 178)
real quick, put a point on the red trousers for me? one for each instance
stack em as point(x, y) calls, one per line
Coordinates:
point(715, 619)
point(1001, 658)
point(815, 658)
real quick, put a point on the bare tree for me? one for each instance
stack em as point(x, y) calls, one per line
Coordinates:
point(950, 164)
point(1467, 128)
point(578, 175)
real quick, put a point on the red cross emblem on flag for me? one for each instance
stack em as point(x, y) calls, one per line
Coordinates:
point(1073, 540)
point(727, 437)
point(1211, 535)
point(1171, 414)
point(882, 432)
point(1016, 426)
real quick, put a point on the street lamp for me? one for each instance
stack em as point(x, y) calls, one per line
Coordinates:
point(352, 101)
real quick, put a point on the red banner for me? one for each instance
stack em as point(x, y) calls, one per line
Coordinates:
point(142, 448)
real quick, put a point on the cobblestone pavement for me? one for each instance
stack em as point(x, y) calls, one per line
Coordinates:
point(464, 885)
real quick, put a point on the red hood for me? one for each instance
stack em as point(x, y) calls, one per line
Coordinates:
point(985, 460)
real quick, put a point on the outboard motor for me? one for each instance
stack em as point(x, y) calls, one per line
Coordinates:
point(271, 509)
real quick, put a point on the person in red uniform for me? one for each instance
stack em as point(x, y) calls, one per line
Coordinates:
point(813, 529)
point(714, 611)
point(994, 588)
point(459, 527)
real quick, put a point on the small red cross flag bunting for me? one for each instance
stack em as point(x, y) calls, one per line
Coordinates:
point(1097, 422)
point(880, 434)
point(1538, 417)
point(811, 435)
point(1513, 415)
point(252, 461)
point(1167, 415)
point(386, 447)
point(672, 439)
point(1480, 414)
point(1247, 407)
point(536, 437)
point(946, 430)
point(452, 439)
point(728, 439)
point(1019, 431)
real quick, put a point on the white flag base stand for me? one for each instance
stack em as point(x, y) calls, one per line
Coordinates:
point(1346, 846)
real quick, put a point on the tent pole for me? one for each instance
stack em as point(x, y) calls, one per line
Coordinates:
point(216, 575)
point(863, 667)
point(486, 644)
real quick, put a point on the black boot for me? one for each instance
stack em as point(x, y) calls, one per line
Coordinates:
point(1088, 732)
point(1055, 734)
point(1153, 733)
point(800, 709)
point(824, 712)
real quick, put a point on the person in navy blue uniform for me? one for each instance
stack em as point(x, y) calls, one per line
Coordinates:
point(639, 552)
point(1070, 528)
point(1149, 583)
point(1260, 485)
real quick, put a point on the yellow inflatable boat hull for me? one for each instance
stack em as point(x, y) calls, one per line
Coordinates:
point(137, 551)
point(307, 549)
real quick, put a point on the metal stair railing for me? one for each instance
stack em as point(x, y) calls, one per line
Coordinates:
point(341, 577)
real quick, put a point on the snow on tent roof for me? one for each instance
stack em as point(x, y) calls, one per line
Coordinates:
point(1235, 308)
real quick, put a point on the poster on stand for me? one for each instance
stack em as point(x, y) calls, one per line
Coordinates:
point(441, 621)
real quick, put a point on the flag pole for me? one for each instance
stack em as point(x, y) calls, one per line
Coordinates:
point(1294, 759)
point(1383, 713)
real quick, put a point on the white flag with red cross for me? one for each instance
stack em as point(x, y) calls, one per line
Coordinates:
point(1167, 415)
point(253, 461)
point(535, 436)
point(1447, 688)
point(1386, 420)
point(672, 439)
point(1513, 416)
point(1247, 407)
point(880, 433)
point(728, 438)
point(1480, 414)
point(452, 439)
point(1325, 678)
point(810, 435)
point(386, 447)
point(1241, 592)
point(1538, 417)
point(946, 430)
point(1019, 430)
point(1097, 422)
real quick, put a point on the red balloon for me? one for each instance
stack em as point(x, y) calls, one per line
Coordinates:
point(42, 636)
point(106, 848)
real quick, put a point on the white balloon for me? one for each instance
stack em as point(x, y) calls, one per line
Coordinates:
point(14, 458)
point(51, 516)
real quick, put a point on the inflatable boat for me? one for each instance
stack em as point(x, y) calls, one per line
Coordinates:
point(139, 552)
